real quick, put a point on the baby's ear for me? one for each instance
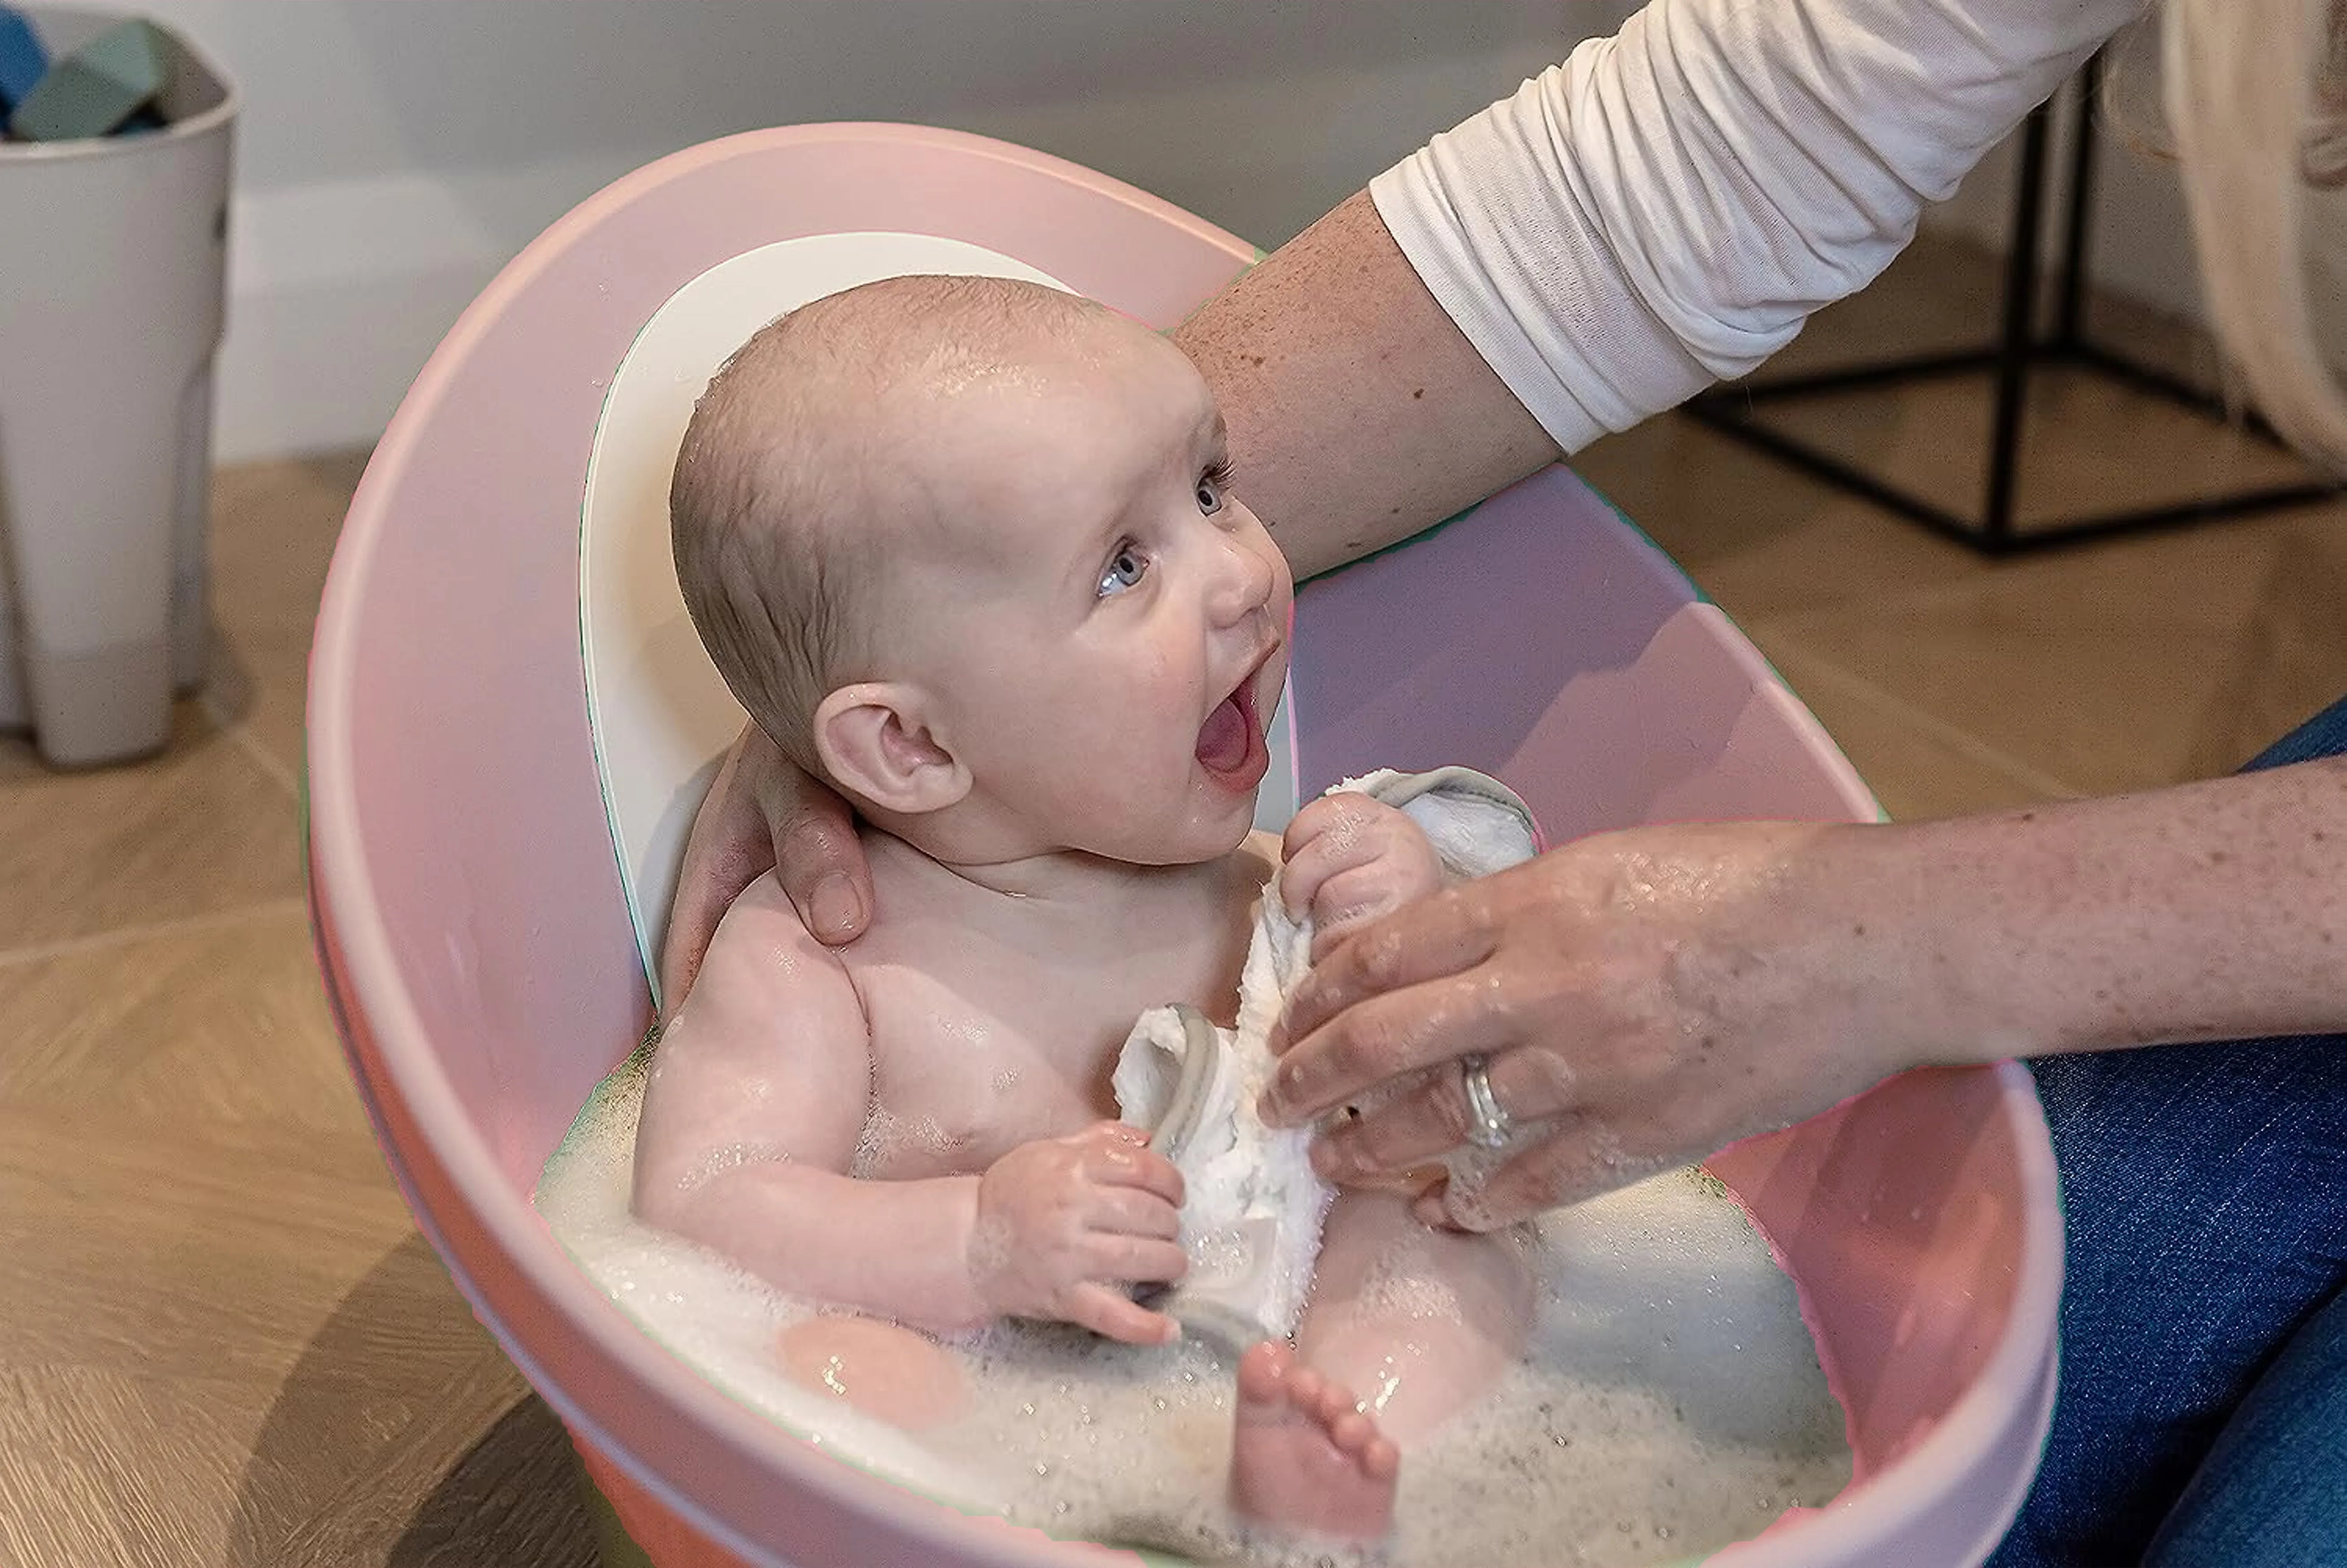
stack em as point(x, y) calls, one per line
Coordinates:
point(875, 743)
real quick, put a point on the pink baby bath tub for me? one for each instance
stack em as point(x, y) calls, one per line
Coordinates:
point(474, 921)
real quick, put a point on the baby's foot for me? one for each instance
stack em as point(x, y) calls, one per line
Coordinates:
point(1304, 1455)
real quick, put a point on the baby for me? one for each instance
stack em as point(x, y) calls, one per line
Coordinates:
point(967, 550)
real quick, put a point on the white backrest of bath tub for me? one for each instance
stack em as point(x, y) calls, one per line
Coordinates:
point(661, 716)
point(659, 713)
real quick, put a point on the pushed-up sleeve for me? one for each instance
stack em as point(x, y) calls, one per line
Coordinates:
point(1667, 208)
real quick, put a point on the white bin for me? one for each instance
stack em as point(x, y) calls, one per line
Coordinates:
point(113, 271)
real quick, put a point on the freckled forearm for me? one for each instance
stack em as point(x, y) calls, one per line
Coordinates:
point(2209, 911)
point(1359, 414)
point(899, 1249)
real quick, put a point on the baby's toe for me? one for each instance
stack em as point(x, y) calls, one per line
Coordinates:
point(1352, 1431)
point(1333, 1402)
point(1266, 1373)
point(1307, 1391)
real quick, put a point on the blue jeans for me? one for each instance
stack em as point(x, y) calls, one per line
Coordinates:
point(2204, 1353)
point(2273, 1489)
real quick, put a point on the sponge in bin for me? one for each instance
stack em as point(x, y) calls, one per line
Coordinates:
point(23, 60)
point(94, 90)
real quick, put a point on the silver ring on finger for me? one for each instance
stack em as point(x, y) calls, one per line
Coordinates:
point(1487, 1122)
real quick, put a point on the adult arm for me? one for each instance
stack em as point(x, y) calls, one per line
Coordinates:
point(1359, 414)
point(1656, 994)
point(1663, 210)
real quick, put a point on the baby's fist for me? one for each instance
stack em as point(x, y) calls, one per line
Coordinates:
point(1066, 1226)
point(1351, 859)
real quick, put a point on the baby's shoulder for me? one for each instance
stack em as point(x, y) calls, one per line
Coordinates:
point(762, 955)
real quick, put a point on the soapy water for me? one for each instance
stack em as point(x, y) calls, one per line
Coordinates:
point(1669, 1402)
point(888, 1139)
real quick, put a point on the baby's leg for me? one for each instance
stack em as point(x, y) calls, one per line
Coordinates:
point(882, 1368)
point(1420, 1321)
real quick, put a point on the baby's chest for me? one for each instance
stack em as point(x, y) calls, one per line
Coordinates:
point(960, 1080)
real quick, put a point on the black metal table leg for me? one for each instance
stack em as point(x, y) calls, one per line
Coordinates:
point(2019, 351)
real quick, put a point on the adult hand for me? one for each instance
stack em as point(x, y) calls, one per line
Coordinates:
point(763, 813)
point(1643, 999)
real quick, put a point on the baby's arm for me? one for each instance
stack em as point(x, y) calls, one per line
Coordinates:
point(758, 1095)
point(1350, 858)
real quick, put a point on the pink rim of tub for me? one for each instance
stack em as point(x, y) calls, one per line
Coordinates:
point(484, 973)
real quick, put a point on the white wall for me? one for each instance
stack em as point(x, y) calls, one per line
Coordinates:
point(392, 154)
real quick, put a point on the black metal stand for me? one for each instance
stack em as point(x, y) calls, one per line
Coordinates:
point(1734, 409)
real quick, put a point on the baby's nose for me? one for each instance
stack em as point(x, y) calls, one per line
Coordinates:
point(1242, 583)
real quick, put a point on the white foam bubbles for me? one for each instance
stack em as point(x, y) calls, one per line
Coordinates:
point(1670, 1401)
point(888, 1141)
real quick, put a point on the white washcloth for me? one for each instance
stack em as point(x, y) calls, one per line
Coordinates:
point(1251, 1214)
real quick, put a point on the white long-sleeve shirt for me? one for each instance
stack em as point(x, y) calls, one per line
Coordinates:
point(1669, 205)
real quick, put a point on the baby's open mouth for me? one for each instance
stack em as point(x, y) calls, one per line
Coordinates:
point(1230, 742)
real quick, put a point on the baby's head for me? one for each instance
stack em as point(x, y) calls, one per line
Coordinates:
point(965, 547)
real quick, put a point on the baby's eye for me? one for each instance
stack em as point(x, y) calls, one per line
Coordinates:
point(1213, 485)
point(1124, 569)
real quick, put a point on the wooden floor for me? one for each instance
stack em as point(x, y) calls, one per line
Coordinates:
point(222, 1341)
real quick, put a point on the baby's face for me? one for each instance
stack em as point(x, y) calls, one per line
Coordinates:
point(1105, 622)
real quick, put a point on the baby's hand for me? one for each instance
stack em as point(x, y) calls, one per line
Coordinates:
point(1064, 1225)
point(1351, 859)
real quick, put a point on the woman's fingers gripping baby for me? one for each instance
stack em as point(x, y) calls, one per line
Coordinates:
point(1066, 1226)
